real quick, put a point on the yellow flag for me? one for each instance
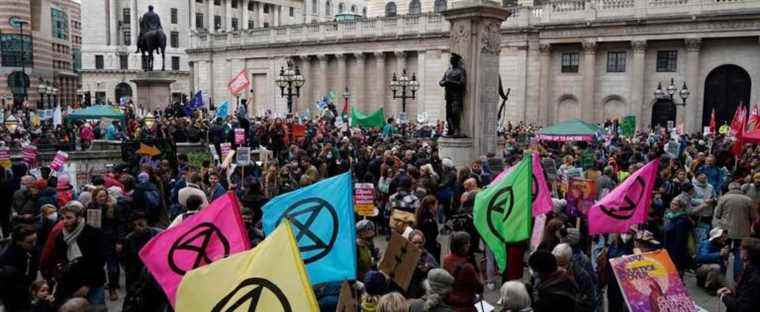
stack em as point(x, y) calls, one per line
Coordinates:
point(270, 277)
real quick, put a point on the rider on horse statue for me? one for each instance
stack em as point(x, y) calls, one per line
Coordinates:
point(151, 38)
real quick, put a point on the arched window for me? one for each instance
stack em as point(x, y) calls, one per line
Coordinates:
point(313, 6)
point(341, 8)
point(439, 6)
point(328, 8)
point(353, 9)
point(414, 7)
point(390, 9)
point(364, 12)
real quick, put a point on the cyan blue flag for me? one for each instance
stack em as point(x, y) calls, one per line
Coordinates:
point(223, 110)
point(322, 218)
point(195, 103)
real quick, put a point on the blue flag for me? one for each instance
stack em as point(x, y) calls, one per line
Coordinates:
point(195, 103)
point(322, 217)
point(223, 110)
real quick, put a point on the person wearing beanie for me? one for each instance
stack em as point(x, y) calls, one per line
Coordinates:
point(366, 253)
point(375, 285)
point(554, 288)
point(438, 285)
point(65, 192)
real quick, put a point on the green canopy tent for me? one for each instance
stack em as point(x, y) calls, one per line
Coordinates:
point(97, 112)
point(570, 130)
point(373, 120)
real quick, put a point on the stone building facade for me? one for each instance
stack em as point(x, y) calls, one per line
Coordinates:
point(562, 59)
point(50, 42)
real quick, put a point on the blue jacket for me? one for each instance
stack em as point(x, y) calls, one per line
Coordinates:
point(707, 253)
point(715, 176)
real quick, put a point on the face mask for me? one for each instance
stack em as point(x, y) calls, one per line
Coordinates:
point(53, 216)
point(625, 237)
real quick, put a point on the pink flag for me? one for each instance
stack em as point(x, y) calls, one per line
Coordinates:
point(215, 232)
point(542, 198)
point(501, 175)
point(626, 205)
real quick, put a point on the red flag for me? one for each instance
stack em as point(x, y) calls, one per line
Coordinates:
point(713, 123)
point(737, 124)
point(215, 232)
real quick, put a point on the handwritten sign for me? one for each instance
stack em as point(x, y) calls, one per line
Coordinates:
point(364, 199)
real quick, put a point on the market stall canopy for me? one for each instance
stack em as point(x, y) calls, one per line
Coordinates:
point(570, 130)
point(97, 112)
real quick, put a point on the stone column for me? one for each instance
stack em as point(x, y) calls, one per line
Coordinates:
point(420, 102)
point(306, 98)
point(322, 90)
point(475, 36)
point(590, 112)
point(244, 6)
point(694, 109)
point(228, 15)
point(340, 83)
point(260, 7)
point(546, 108)
point(638, 105)
point(114, 22)
point(210, 25)
point(379, 84)
point(276, 15)
point(357, 79)
point(134, 27)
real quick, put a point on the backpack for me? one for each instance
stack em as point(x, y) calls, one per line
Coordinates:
point(152, 199)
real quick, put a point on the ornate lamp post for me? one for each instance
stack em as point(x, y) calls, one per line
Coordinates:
point(56, 98)
point(402, 84)
point(11, 123)
point(671, 91)
point(43, 89)
point(289, 78)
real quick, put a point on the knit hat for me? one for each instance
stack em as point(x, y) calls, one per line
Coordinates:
point(440, 281)
point(375, 283)
point(364, 225)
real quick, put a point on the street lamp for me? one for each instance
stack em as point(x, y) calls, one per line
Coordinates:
point(11, 123)
point(43, 89)
point(290, 77)
point(149, 120)
point(401, 84)
point(671, 90)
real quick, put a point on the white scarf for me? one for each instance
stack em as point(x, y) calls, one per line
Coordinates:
point(70, 238)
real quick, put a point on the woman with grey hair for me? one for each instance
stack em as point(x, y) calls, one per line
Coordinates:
point(514, 297)
point(437, 287)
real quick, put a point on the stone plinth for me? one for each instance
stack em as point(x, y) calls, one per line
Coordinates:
point(474, 35)
point(458, 150)
point(153, 91)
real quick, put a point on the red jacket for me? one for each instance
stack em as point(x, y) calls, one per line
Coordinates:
point(47, 259)
point(467, 284)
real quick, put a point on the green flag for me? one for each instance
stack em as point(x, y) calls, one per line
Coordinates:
point(628, 126)
point(374, 120)
point(502, 211)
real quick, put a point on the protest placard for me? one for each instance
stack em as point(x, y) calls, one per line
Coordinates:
point(364, 199)
point(59, 161)
point(400, 260)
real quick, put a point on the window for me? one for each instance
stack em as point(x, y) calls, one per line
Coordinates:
point(60, 23)
point(341, 8)
point(292, 11)
point(390, 9)
point(127, 34)
point(616, 62)
point(353, 9)
point(174, 15)
point(570, 62)
point(15, 48)
point(266, 25)
point(414, 7)
point(124, 61)
point(328, 8)
point(217, 2)
point(198, 20)
point(175, 62)
point(250, 6)
point(234, 23)
point(234, 4)
point(667, 61)
point(76, 59)
point(250, 24)
point(126, 16)
point(174, 39)
point(364, 12)
point(18, 82)
point(439, 6)
point(313, 6)
point(266, 8)
point(199, 1)
point(98, 62)
point(217, 22)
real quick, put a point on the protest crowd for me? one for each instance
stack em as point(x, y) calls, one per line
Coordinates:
point(66, 249)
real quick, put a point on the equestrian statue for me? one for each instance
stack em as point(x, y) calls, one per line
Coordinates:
point(152, 38)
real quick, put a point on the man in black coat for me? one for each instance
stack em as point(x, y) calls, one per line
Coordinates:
point(18, 268)
point(746, 296)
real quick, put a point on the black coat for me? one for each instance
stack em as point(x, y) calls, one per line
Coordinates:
point(17, 271)
point(88, 271)
point(747, 296)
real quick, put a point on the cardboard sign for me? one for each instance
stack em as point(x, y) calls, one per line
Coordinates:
point(5, 157)
point(59, 161)
point(243, 156)
point(348, 300)
point(650, 282)
point(400, 260)
point(364, 199)
point(239, 83)
point(239, 136)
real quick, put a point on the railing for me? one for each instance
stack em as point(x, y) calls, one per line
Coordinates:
point(554, 13)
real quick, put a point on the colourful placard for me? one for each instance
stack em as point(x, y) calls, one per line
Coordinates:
point(580, 196)
point(650, 282)
point(30, 155)
point(364, 199)
point(239, 136)
point(59, 161)
point(5, 157)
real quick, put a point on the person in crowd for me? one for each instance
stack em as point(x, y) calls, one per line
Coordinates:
point(404, 199)
point(193, 188)
point(18, 268)
point(215, 188)
point(42, 298)
point(752, 188)
point(554, 288)
point(513, 297)
point(746, 296)
point(25, 198)
point(620, 245)
point(437, 286)
point(366, 253)
point(134, 241)
point(586, 284)
point(193, 204)
point(704, 195)
point(735, 212)
point(147, 198)
point(427, 222)
point(375, 286)
point(80, 257)
point(45, 222)
point(75, 305)
point(676, 235)
point(715, 175)
point(467, 283)
point(392, 302)
point(424, 264)
point(711, 260)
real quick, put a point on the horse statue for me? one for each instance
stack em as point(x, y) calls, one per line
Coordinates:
point(152, 39)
